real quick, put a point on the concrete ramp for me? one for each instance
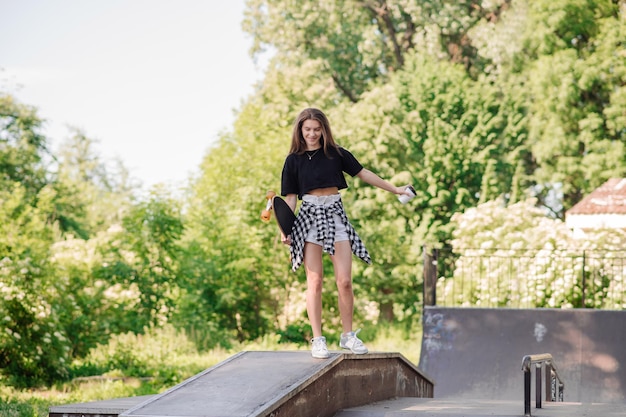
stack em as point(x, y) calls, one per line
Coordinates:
point(477, 353)
point(288, 384)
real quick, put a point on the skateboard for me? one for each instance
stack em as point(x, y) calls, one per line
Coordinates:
point(284, 216)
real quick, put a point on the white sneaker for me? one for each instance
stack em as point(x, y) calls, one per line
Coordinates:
point(319, 350)
point(351, 341)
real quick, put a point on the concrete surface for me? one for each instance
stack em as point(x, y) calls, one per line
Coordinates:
point(473, 356)
point(288, 384)
point(105, 408)
point(422, 407)
point(477, 353)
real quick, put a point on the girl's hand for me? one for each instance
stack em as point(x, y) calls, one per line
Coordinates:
point(285, 239)
point(404, 190)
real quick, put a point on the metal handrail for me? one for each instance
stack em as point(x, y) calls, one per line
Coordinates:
point(553, 393)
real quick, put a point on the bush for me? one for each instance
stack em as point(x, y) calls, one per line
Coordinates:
point(164, 355)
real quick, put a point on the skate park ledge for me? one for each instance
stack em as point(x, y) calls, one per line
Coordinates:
point(274, 383)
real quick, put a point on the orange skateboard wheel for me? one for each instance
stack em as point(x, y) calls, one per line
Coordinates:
point(266, 214)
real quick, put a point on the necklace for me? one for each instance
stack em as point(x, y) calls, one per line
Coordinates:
point(311, 155)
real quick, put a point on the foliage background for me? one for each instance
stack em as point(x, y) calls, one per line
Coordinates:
point(479, 104)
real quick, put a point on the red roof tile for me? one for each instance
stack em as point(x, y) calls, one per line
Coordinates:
point(609, 198)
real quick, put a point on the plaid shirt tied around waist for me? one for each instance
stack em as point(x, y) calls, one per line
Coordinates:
point(321, 216)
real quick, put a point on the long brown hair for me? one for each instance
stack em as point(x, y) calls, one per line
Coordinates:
point(298, 145)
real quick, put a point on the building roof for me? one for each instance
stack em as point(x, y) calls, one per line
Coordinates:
point(609, 198)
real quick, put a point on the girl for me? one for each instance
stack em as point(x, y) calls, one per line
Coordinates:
point(314, 172)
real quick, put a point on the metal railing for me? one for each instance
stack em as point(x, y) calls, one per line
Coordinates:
point(553, 383)
point(524, 278)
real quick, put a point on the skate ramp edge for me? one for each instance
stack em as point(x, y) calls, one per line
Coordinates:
point(477, 353)
point(288, 383)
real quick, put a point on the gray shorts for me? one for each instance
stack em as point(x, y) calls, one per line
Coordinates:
point(340, 229)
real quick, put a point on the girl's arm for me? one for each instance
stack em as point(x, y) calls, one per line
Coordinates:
point(373, 179)
point(291, 200)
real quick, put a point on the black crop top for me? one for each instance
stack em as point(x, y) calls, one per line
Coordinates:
point(301, 174)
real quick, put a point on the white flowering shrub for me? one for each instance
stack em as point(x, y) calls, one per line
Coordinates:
point(516, 256)
point(33, 343)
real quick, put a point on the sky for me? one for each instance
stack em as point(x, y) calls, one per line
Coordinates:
point(153, 82)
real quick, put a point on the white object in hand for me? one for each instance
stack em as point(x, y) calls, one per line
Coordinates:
point(405, 198)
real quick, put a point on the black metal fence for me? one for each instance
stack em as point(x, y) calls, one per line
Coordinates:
point(546, 278)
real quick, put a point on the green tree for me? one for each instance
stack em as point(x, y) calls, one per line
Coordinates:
point(147, 258)
point(225, 277)
point(33, 345)
point(23, 147)
point(437, 128)
point(361, 41)
point(122, 279)
point(78, 260)
point(91, 194)
point(575, 67)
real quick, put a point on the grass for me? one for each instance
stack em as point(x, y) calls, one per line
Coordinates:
point(133, 365)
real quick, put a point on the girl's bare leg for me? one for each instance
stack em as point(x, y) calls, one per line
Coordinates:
point(314, 278)
point(342, 264)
